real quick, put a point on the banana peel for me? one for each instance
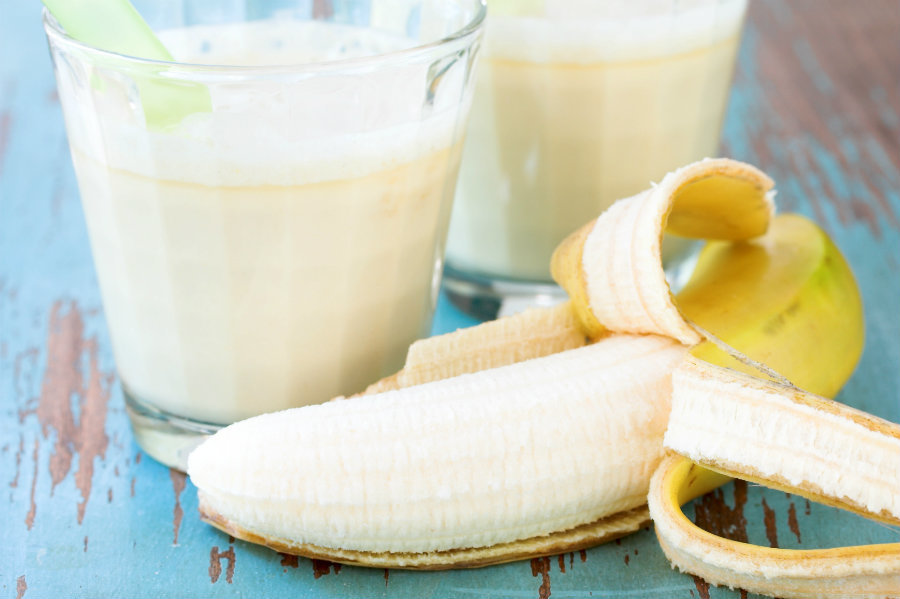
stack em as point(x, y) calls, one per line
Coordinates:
point(863, 571)
point(868, 571)
point(761, 336)
point(770, 299)
point(812, 277)
point(791, 440)
point(612, 267)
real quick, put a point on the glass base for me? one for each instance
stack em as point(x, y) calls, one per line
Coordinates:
point(679, 271)
point(165, 437)
point(487, 298)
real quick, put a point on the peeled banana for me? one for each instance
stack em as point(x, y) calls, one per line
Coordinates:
point(469, 461)
point(452, 462)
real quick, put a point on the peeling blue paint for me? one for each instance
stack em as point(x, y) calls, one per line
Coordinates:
point(124, 546)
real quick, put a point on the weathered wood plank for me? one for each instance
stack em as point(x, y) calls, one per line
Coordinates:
point(816, 102)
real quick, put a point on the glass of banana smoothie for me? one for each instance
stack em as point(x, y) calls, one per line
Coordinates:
point(267, 212)
point(579, 103)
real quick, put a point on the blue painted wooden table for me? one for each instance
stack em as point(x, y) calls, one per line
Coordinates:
point(816, 103)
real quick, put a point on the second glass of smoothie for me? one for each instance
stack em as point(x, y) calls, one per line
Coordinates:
point(579, 103)
point(281, 245)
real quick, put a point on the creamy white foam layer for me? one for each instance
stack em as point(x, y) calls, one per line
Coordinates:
point(588, 31)
point(281, 129)
point(278, 42)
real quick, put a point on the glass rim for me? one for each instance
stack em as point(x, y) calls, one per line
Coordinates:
point(56, 34)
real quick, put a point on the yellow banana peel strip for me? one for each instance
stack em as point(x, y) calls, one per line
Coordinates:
point(581, 537)
point(785, 438)
point(870, 571)
point(612, 268)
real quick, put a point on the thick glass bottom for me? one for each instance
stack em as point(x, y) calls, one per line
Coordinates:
point(487, 298)
point(165, 437)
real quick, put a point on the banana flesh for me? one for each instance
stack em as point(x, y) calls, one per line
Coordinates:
point(530, 334)
point(448, 462)
point(793, 440)
point(341, 475)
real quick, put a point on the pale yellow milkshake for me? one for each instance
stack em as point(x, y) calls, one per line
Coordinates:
point(579, 104)
point(283, 248)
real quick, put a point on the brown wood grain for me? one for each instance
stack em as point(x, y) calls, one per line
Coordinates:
point(826, 57)
point(824, 95)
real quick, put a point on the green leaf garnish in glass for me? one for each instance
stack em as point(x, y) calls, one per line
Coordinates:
point(115, 26)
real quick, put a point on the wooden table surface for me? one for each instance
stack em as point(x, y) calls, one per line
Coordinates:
point(816, 103)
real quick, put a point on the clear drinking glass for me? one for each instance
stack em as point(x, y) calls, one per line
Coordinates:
point(268, 214)
point(579, 103)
